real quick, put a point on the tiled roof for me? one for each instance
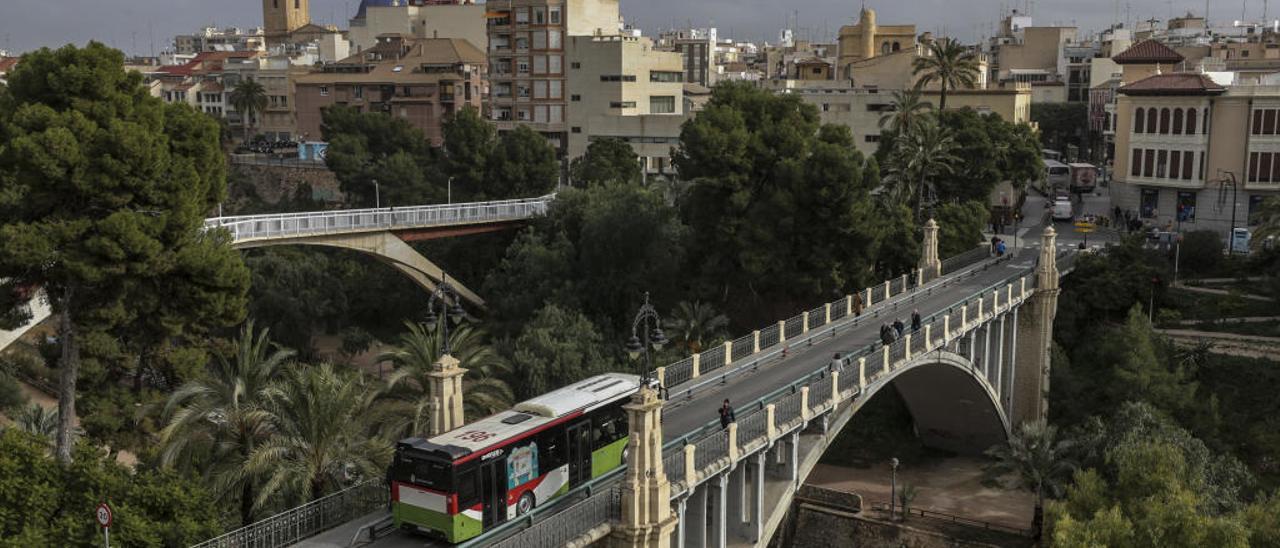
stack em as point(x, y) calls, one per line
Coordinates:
point(7, 63)
point(1174, 84)
point(1148, 52)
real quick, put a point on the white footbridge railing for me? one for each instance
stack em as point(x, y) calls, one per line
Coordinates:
point(248, 228)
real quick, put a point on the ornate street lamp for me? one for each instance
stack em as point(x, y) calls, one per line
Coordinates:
point(446, 298)
point(653, 337)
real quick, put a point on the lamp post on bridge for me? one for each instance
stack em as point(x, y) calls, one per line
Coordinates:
point(893, 487)
point(445, 378)
point(653, 336)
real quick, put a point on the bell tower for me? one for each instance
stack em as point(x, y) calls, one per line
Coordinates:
point(281, 17)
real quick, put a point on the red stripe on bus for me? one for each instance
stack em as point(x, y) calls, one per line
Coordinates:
point(509, 441)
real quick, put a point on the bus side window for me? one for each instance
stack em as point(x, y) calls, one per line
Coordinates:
point(551, 449)
point(610, 425)
point(468, 494)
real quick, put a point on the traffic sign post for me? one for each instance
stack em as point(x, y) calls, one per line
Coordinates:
point(103, 515)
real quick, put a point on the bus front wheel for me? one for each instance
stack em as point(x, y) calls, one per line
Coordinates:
point(525, 504)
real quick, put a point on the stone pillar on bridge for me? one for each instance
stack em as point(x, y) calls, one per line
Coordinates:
point(1034, 337)
point(930, 264)
point(647, 519)
point(445, 386)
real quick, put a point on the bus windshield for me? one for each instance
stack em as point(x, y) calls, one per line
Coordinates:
point(433, 474)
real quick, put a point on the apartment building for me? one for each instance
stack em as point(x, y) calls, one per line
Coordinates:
point(697, 48)
point(199, 82)
point(276, 74)
point(1194, 152)
point(527, 67)
point(216, 39)
point(422, 80)
point(623, 87)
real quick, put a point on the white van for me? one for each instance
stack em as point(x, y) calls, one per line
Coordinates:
point(1062, 209)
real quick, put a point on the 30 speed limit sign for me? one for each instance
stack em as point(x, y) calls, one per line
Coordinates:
point(104, 515)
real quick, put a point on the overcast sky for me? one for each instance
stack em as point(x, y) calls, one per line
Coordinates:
point(139, 25)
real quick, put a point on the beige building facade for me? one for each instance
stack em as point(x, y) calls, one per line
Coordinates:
point(466, 21)
point(621, 87)
point(281, 17)
point(1192, 154)
point(868, 39)
point(421, 80)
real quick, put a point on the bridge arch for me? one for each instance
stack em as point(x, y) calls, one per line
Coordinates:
point(952, 403)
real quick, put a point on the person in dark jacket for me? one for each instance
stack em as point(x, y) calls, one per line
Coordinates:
point(915, 320)
point(857, 304)
point(726, 414)
point(886, 334)
point(899, 327)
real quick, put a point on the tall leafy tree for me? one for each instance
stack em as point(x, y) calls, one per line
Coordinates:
point(103, 190)
point(1038, 460)
point(558, 347)
point(948, 63)
point(380, 159)
point(1141, 370)
point(324, 418)
point(468, 142)
point(960, 227)
point(606, 161)
point(908, 109)
point(766, 179)
point(249, 98)
point(214, 423)
point(485, 389)
point(523, 165)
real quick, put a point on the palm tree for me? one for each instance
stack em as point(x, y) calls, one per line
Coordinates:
point(485, 390)
point(222, 418)
point(908, 108)
point(949, 64)
point(1038, 461)
point(695, 323)
point(918, 157)
point(38, 420)
point(322, 417)
point(249, 98)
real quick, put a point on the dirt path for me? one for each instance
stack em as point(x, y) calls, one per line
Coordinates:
point(953, 486)
point(1221, 292)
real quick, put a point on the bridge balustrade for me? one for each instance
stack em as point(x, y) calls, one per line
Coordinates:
point(710, 449)
point(570, 523)
point(769, 336)
point(963, 260)
point(743, 346)
point(679, 372)
point(711, 360)
point(305, 521)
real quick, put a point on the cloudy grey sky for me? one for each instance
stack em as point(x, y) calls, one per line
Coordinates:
point(135, 25)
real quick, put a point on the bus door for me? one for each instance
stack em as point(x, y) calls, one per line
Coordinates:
point(579, 453)
point(493, 491)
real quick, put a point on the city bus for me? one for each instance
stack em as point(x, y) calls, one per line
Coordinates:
point(464, 482)
point(1057, 177)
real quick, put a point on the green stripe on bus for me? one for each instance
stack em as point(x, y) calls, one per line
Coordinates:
point(607, 458)
point(456, 528)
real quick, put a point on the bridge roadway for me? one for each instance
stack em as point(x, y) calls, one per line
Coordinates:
point(690, 417)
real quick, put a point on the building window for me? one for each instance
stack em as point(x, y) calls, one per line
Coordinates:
point(575, 65)
point(324, 91)
point(539, 15)
point(359, 92)
point(665, 76)
point(1139, 119)
point(1188, 164)
point(1177, 121)
point(1162, 160)
point(1147, 206)
point(617, 77)
point(1135, 163)
point(1151, 120)
point(553, 15)
point(1175, 163)
point(575, 97)
point(522, 16)
point(875, 138)
point(1202, 166)
point(1269, 122)
point(1186, 207)
point(1191, 121)
point(1255, 202)
point(575, 129)
point(1148, 163)
point(622, 104)
point(662, 104)
point(1164, 121)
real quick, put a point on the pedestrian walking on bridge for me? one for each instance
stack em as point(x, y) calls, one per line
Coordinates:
point(726, 414)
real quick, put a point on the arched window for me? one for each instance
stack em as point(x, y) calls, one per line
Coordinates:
point(1177, 121)
point(1191, 121)
point(884, 48)
point(1139, 119)
point(897, 46)
point(1164, 121)
point(1151, 120)
point(297, 4)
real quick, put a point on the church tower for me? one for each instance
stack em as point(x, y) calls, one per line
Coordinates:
point(281, 17)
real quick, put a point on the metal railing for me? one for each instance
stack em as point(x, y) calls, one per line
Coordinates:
point(306, 521)
point(965, 259)
point(570, 523)
point(292, 225)
point(952, 518)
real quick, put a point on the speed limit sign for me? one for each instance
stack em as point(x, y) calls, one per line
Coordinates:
point(104, 515)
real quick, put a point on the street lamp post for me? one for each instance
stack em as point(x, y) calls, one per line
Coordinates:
point(377, 195)
point(653, 337)
point(446, 298)
point(893, 487)
point(449, 187)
